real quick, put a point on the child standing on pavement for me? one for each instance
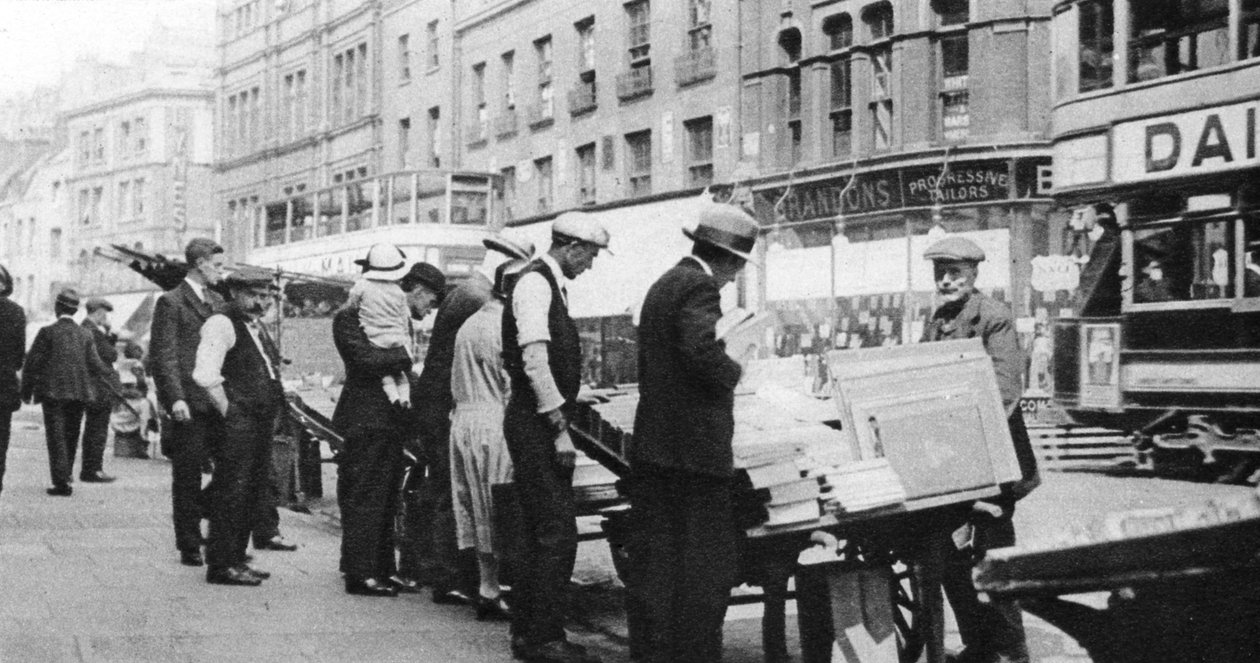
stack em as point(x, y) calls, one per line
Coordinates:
point(385, 318)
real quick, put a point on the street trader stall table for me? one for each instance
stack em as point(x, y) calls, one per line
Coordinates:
point(913, 436)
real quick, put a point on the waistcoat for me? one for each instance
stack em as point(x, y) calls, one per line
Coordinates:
point(564, 351)
point(246, 379)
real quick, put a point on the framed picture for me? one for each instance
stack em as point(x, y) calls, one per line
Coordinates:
point(1100, 364)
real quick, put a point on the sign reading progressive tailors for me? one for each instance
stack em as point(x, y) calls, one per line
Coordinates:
point(1202, 141)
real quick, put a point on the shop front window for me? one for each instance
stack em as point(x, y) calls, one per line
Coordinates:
point(1183, 261)
point(1169, 37)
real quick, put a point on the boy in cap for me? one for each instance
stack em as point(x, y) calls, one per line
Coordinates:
point(96, 417)
point(383, 312)
point(64, 373)
point(991, 632)
point(684, 542)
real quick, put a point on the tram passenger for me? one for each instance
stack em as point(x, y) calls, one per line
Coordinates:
point(991, 632)
point(1251, 277)
point(1153, 287)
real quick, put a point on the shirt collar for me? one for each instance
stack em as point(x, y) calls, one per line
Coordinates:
point(554, 266)
point(197, 288)
point(703, 265)
point(66, 316)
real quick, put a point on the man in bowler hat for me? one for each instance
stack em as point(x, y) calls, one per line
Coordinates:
point(195, 428)
point(64, 373)
point(238, 366)
point(685, 541)
point(12, 354)
point(370, 467)
point(991, 632)
point(96, 418)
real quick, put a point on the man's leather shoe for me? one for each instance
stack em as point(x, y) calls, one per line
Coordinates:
point(370, 587)
point(96, 477)
point(60, 491)
point(276, 543)
point(519, 647)
point(405, 585)
point(232, 575)
point(261, 575)
point(558, 651)
point(495, 609)
point(450, 597)
point(191, 558)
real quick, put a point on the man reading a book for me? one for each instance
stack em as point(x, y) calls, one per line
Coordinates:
point(990, 632)
point(684, 545)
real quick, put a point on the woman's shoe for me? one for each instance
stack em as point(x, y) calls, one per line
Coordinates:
point(495, 609)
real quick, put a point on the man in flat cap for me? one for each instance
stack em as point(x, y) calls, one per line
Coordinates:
point(238, 367)
point(64, 373)
point(991, 632)
point(194, 426)
point(12, 354)
point(684, 542)
point(543, 357)
point(428, 549)
point(370, 467)
point(96, 417)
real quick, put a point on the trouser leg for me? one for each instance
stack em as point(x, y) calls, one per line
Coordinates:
point(367, 483)
point(95, 436)
point(545, 490)
point(191, 445)
point(6, 430)
point(986, 627)
point(266, 512)
point(61, 433)
point(437, 554)
point(234, 485)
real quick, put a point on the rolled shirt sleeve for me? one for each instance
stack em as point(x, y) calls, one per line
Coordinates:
point(531, 302)
point(217, 337)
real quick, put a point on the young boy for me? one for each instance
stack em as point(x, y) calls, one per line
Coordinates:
point(386, 320)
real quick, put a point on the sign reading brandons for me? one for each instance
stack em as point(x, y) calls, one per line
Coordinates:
point(1196, 142)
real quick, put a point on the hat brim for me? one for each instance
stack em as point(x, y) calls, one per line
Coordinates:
point(748, 257)
point(387, 274)
point(505, 247)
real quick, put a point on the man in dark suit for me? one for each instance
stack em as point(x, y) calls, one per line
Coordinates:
point(371, 465)
point(239, 368)
point(12, 354)
point(64, 374)
point(96, 418)
point(428, 551)
point(991, 632)
point(684, 543)
point(195, 426)
point(542, 354)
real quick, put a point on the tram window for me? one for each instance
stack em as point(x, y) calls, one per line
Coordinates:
point(1173, 36)
point(1251, 268)
point(1182, 262)
point(1095, 27)
point(1250, 42)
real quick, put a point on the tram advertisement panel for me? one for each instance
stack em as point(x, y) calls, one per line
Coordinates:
point(1100, 364)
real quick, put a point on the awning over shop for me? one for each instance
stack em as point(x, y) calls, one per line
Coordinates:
point(646, 241)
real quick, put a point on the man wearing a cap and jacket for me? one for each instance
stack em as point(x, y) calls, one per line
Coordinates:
point(684, 542)
point(543, 357)
point(428, 549)
point(96, 418)
point(12, 354)
point(238, 366)
point(64, 373)
point(991, 632)
point(370, 466)
point(195, 427)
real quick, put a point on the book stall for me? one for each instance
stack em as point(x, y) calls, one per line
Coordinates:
point(1182, 582)
point(869, 484)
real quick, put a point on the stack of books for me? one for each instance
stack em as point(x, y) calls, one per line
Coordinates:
point(774, 479)
point(860, 486)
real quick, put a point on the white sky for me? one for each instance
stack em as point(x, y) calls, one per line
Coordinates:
point(41, 38)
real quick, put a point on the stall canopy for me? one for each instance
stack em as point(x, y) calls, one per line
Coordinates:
point(646, 240)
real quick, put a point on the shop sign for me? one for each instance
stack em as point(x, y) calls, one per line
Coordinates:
point(918, 186)
point(1202, 141)
point(1052, 273)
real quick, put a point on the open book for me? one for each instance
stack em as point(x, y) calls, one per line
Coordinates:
point(743, 331)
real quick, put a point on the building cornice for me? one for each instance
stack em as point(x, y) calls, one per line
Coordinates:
point(138, 95)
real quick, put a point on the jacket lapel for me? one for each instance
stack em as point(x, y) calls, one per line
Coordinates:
point(202, 308)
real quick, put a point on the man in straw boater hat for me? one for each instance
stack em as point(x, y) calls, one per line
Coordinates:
point(12, 354)
point(543, 357)
point(238, 366)
point(991, 632)
point(684, 542)
point(64, 373)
